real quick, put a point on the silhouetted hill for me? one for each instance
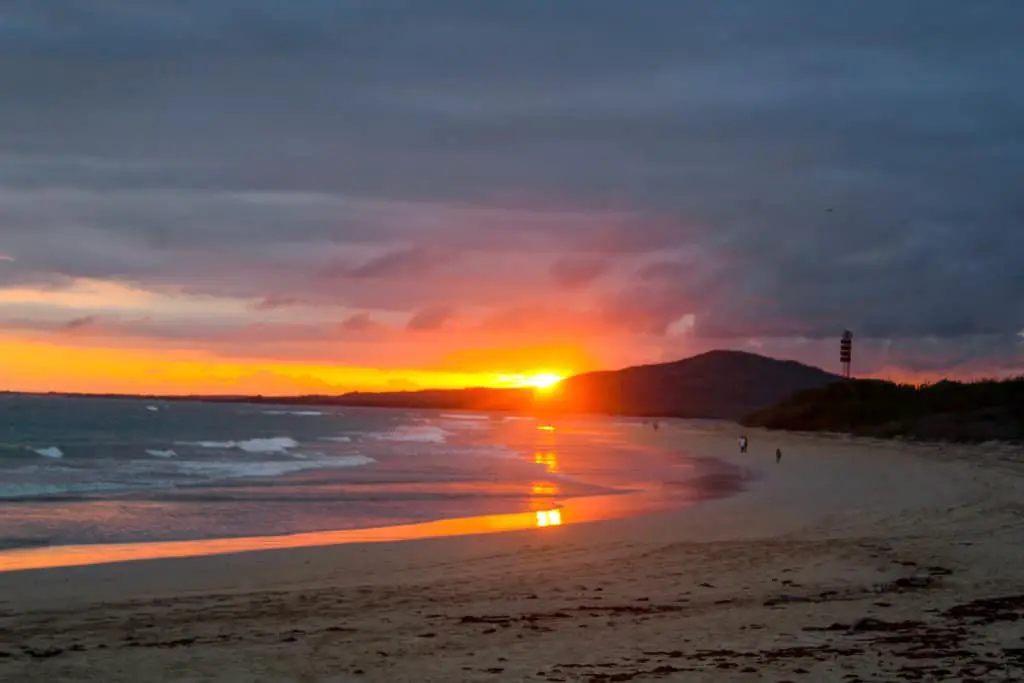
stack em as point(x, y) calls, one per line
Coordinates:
point(716, 384)
point(945, 411)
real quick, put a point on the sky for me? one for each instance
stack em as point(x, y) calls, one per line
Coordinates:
point(261, 196)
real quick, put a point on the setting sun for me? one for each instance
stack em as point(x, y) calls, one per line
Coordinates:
point(543, 381)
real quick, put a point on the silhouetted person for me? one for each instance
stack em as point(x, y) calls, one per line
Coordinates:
point(655, 425)
point(778, 455)
point(743, 444)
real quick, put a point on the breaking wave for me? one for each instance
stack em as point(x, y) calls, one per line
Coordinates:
point(297, 413)
point(274, 444)
point(414, 434)
point(274, 468)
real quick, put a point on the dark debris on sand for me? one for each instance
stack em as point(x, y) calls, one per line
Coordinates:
point(945, 646)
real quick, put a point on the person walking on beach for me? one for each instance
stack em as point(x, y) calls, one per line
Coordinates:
point(743, 444)
point(778, 455)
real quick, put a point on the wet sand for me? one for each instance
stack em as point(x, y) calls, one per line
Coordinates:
point(850, 560)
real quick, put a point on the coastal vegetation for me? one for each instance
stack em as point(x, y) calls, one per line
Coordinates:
point(944, 411)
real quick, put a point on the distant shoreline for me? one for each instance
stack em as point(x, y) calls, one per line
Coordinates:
point(893, 431)
point(712, 385)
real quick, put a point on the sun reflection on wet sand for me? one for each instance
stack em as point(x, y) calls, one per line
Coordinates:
point(545, 506)
point(549, 517)
point(578, 510)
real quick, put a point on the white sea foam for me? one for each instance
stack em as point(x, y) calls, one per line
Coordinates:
point(274, 444)
point(464, 416)
point(50, 452)
point(157, 453)
point(338, 439)
point(244, 470)
point(465, 425)
point(153, 409)
point(222, 445)
point(415, 434)
point(299, 413)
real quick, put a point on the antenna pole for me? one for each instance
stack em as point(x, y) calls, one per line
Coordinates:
point(846, 352)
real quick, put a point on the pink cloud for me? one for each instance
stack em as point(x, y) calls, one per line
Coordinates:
point(576, 272)
point(432, 318)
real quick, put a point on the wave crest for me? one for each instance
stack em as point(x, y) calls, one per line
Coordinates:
point(415, 434)
point(274, 444)
point(296, 413)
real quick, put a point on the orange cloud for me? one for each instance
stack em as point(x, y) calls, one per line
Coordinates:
point(96, 336)
point(92, 335)
point(518, 360)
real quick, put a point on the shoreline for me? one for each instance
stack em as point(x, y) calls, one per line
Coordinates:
point(582, 510)
point(714, 481)
point(851, 557)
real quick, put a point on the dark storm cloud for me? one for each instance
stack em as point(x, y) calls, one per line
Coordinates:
point(835, 164)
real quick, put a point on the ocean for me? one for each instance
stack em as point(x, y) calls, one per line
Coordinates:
point(99, 471)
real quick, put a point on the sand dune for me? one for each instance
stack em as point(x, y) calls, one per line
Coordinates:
point(850, 560)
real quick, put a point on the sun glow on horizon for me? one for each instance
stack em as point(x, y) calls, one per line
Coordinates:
point(546, 380)
point(543, 381)
point(41, 364)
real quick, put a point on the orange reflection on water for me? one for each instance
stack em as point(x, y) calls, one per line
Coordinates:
point(547, 458)
point(543, 488)
point(589, 509)
point(549, 517)
point(546, 428)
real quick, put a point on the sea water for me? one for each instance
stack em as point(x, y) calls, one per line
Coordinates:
point(94, 470)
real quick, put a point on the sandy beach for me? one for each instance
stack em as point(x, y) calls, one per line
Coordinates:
point(851, 560)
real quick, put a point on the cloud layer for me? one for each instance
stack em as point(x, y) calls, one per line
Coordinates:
point(425, 179)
